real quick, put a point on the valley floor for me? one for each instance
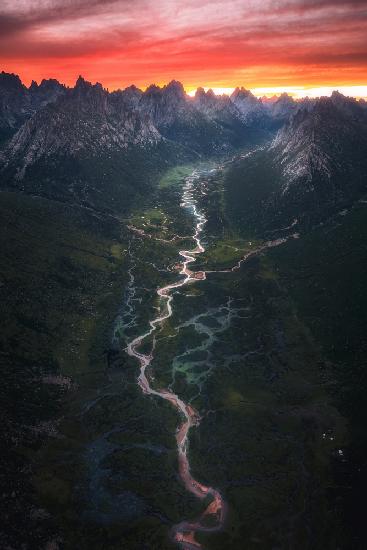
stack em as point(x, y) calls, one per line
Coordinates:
point(255, 351)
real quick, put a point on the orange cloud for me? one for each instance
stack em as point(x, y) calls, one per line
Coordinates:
point(218, 43)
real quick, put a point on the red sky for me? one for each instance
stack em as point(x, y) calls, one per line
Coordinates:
point(214, 43)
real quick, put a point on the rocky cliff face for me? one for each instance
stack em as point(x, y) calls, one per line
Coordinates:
point(205, 124)
point(52, 120)
point(252, 110)
point(46, 92)
point(324, 140)
point(217, 107)
point(165, 105)
point(14, 104)
point(18, 103)
point(321, 153)
point(282, 108)
point(130, 97)
point(83, 121)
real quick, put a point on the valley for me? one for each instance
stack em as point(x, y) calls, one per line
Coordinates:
point(184, 310)
point(235, 353)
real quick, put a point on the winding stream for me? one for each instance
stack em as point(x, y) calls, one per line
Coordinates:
point(212, 518)
point(183, 533)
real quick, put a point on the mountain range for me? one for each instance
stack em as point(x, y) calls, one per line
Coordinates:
point(66, 142)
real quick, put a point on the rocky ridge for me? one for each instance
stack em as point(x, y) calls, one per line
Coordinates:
point(321, 143)
point(326, 140)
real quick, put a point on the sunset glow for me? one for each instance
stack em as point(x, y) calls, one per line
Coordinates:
point(265, 46)
point(296, 92)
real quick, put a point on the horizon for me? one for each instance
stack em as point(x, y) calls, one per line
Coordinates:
point(356, 92)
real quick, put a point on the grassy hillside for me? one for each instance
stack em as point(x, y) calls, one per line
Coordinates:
point(323, 272)
point(62, 270)
point(111, 182)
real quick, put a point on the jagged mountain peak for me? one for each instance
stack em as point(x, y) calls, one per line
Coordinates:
point(175, 87)
point(266, 100)
point(284, 101)
point(11, 82)
point(335, 106)
point(210, 95)
point(51, 82)
point(242, 93)
point(217, 106)
point(173, 90)
point(15, 104)
point(345, 103)
point(337, 97)
point(133, 89)
point(18, 103)
point(87, 97)
point(200, 92)
point(152, 91)
point(164, 105)
point(81, 82)
point(250, 107)
point(46, 84)
point(130, 96)
point(284, 96)
point(33, 87)
point(282, 108)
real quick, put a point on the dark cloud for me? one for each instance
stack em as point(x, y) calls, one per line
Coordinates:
point(155, 37)
point(313, 5)
point(17, 19)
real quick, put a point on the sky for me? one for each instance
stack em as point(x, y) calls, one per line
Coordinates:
point(300, 46)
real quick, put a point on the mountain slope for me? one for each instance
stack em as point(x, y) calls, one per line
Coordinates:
point(18, 103)
point(251, 109)
point(84, 121)
point(87, 147)
point(315, 167)
point(207, 124)
point(15, 105)
point(322, 154)
point(100, 149)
